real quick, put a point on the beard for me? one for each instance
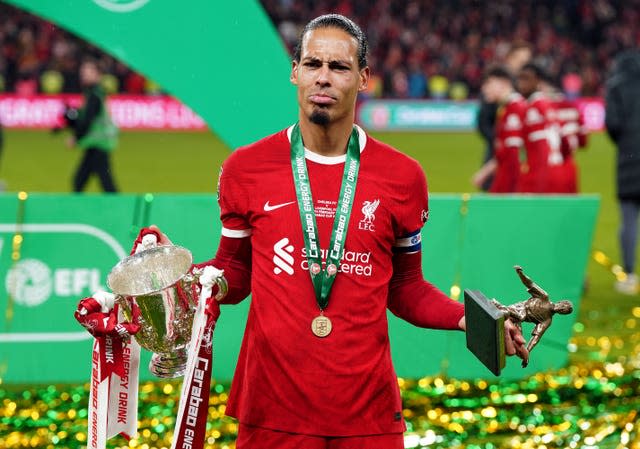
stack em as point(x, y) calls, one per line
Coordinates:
point(319, 117)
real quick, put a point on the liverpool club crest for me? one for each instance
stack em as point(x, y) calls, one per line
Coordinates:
point(369, 212)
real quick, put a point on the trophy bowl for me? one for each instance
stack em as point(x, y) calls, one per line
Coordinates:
point(158, 282)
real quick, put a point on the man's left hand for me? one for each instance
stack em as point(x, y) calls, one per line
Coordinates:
point(514, 342)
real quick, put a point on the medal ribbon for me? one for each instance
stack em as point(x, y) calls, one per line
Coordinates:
point(323, 278)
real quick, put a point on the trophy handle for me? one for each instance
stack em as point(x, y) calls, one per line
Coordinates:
point(223, 287)
point(125, 307)
point(214, 276)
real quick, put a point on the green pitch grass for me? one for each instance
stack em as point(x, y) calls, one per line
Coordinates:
point(36, 161)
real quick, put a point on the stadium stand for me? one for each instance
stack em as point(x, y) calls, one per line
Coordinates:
point(419, 48)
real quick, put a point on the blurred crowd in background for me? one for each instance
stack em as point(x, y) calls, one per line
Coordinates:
point(438, 49)
point(39, 57)
point(418, 49)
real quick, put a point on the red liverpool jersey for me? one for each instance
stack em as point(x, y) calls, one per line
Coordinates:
point(574, 136)
point(287, 378)
point(508, 140)
point(542, 145)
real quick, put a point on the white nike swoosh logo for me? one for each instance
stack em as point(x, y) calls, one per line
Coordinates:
point(268, 207)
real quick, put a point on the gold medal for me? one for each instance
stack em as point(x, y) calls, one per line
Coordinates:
point(321, 326)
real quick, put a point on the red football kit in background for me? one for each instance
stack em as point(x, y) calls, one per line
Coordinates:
point(542, 145)
point(507, 144)
point(344, 384)
point(574, 137)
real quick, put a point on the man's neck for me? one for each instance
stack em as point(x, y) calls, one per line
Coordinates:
point(329, 140)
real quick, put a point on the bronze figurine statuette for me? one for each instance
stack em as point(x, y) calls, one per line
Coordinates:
point(485, 321)
point(538, 309)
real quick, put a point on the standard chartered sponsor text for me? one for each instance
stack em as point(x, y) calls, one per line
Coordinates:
point(351, 262)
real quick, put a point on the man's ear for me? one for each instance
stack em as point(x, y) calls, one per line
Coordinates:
point(294, 73)
point(364, 79)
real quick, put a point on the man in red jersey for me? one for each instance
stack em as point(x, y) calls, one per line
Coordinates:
point(505, 165)
point(321, 224)
point(542, 171)
point(574, 137)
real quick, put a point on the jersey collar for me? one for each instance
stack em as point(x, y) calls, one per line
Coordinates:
point(331, 160)
point(514, 96)
point(537, 95)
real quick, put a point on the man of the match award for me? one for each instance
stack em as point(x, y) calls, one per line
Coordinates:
point(485, 321)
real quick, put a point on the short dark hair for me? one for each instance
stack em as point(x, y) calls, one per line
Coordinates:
point(536, 69)
point(343, 23)
point(498, 72)
point(548, 78)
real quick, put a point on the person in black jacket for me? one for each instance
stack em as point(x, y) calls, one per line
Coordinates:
point(93, 131)
point(486, 128)
point(622, 120)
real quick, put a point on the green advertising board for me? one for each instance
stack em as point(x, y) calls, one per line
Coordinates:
point(418, 115)
point(67, 244)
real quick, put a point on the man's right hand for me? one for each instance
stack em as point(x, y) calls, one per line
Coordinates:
point(98, 315)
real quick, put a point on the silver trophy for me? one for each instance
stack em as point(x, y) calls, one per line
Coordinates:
point(159, 283)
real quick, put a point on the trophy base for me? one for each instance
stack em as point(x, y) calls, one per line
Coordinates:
point(170, 365)
point(485, 330)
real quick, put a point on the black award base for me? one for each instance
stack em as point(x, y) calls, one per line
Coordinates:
point(485, 330)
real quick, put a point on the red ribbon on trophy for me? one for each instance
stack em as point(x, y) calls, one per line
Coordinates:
point(115, 362)
point(194, 398)
point(116, 356)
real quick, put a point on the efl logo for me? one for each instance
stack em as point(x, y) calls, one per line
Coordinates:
point(283, 257)
point(31, 282)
